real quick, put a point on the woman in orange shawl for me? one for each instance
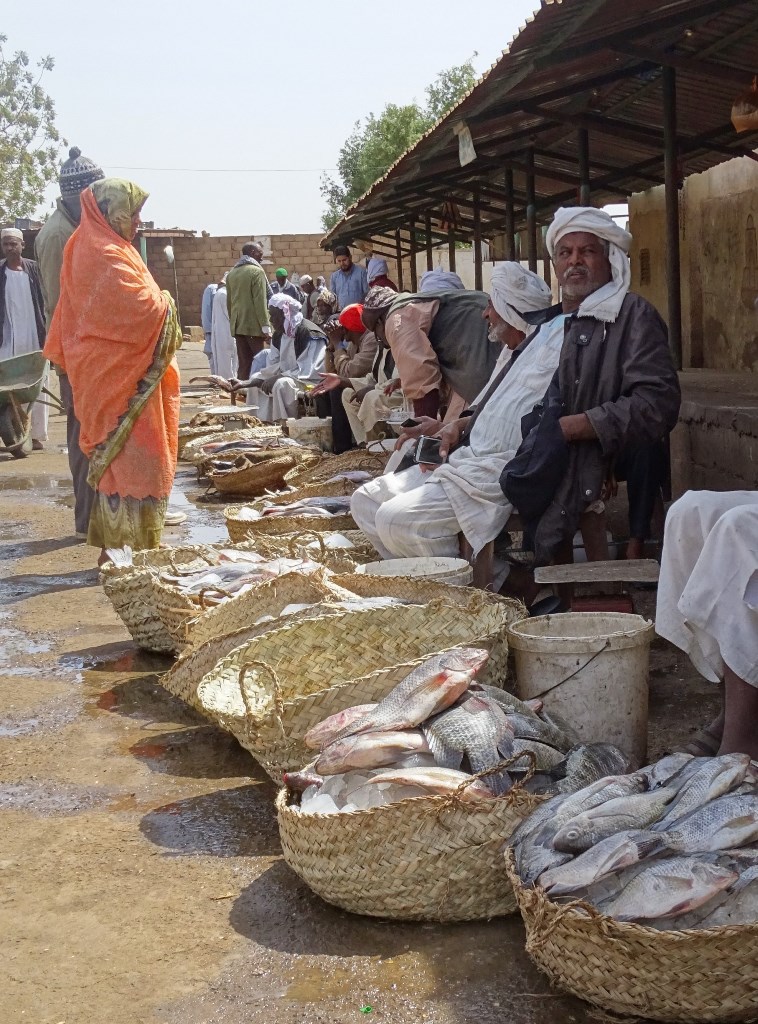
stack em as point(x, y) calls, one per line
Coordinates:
point(115, 334)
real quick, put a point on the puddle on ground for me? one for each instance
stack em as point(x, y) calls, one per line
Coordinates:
point(41, 483)
point(203, 751)
point(49, 799)
point(23, 586)
point(121, 657)
point(52, 714)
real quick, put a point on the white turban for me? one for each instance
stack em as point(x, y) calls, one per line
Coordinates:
point(12, 233)
point(605, 303)
point(440, 280)
point(515, 290)
point(293, 311)
point(377, 267)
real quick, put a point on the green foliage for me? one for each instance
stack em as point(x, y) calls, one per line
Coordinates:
point(376, 143)
point(28, 136)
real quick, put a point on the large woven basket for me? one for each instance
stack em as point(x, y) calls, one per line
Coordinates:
point(424, 859)
point(133, 594)
point(193, 450)
point(326, 664)
point(204, 433)
point(257, 472)
point(689, 976)
point(248, 529)
point(339, 488)
point(330, 465)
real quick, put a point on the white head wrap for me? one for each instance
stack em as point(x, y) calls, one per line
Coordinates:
point(293, 311)
point(306, 279)
point(440, 280)
point(515, 290)
point(12, 233)
point(605, 303)
point(376, 268)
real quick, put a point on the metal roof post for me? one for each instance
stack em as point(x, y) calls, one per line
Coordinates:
point(583, 145)
point(478, 279)
point(451, 248)
point(399, 259)
point(414, 276)
point(673, 268)
point(531, 211)
point(510, 217)
point(428, 232)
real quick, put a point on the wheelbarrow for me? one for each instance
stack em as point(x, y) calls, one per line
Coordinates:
point(21, 384)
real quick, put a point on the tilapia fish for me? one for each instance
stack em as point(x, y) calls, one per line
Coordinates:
point(740, 905)
point(675, 885)
point(476, 728)
point(301, 780)
point(661, 771)
point(589, 762)
point(627, 812)
point(715, 778)
point(325, 732)
point(507, 701)
point(610, 855)
point(437, 781)
point(729, 821)
point(532, 727)
point(428, 689)
point(369, 750)
point(545, 757)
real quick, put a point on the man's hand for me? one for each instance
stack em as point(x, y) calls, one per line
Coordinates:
point(358, 396)
point(243, 385)
point(393, 386)
point(427, 425)
point(328, 382)
point(450, 435)
point(577, 428)
point(266, 386)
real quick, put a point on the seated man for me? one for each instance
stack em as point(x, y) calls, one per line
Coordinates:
point(708, 606)
point(616, 391)
point(370, 400)
point(350, 351)
point(439, 342)
point(413, 512)
point(295, 358)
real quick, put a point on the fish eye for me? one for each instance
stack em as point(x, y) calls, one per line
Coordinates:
point(573, 834)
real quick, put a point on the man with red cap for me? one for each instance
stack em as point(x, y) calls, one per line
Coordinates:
point(350, 353)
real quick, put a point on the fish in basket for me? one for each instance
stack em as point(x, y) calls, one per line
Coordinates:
point(639, 893)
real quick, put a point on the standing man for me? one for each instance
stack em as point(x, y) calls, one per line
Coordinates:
point(206, 316)
point(77, 173)
point(349, 282)
point(311, 293)
point(23, 310)
point(247, 295)
point(285, 286)
point(222, 342)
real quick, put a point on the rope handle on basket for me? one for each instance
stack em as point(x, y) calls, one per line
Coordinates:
point(306, 533)
point(454, 798)
point(278, 699)
point(214, 590)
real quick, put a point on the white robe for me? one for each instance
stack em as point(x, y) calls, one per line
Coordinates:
point(223, 345)
point(292, 373)
point(708, 588)
point(20, 336)
point(415, 514)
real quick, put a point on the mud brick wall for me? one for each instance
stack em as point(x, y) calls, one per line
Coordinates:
point(201, 261)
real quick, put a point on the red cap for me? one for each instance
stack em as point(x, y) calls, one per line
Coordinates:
point(350, 318)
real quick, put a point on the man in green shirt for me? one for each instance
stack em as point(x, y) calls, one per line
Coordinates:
point(247, 295)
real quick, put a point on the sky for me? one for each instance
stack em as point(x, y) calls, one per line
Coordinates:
point(229, 113)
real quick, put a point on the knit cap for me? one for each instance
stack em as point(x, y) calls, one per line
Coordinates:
point(78, 172)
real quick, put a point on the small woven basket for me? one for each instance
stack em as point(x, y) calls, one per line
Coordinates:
point(331, 465)
point(248, 529)
point(326, 664)
point(307, 544)
point(258, 472)
point(433, 858)
point(703, 974)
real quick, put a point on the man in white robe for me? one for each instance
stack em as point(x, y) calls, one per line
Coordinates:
point(223, 345)
point(295, 359)
point(420, 511)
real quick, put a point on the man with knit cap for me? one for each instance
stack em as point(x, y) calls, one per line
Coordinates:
point(77, 173)
point(421, 510)
point(282, 283)
point(614, 399)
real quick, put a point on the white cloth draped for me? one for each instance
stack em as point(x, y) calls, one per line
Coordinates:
point(223, 346)
point(709, 575)
point(414, 513)
point(20, 336)
point(515, 290)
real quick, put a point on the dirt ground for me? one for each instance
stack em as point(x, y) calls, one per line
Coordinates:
point(143, 881)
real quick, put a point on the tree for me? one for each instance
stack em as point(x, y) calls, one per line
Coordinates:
point(28, 136)
point(374, 145)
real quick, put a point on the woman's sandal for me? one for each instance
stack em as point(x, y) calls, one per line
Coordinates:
point(704, 743)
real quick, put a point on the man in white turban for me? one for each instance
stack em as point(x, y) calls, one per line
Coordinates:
point(614, 399)
point(421, 510)
point(440, 280)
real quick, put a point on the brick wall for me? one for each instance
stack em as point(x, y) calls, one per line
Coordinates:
point(201, 261)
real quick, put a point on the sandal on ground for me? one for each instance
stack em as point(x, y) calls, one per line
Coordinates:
point(704, 744)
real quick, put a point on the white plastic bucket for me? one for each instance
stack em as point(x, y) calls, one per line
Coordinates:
point(311, 430)
point(592, 668)
point(454, 571)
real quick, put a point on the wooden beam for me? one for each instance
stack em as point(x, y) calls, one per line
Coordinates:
point(412, 230)
point(531, 212)
point(399, 259)
point(671, 157)
point(510, 218)
point(451, 249)
point(477, 246)
point(691, 63)
point(583, 145)
point(428, 240)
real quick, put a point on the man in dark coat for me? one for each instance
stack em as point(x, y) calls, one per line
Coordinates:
point(615, 396)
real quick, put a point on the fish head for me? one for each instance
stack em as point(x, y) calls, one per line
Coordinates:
point(576, 836)
point(465, 659)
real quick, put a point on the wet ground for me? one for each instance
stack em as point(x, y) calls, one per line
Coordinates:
point(142, 876)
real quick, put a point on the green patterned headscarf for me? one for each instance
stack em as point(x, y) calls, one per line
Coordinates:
point(118, 201)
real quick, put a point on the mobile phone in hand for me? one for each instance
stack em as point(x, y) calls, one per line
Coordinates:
point(410, 422)
point(427, 450)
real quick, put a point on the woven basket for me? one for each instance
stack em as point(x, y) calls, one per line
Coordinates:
point(330, 465)
point(187, 434)
point(133, 594)
point(340, 488)
point(249, 529)
point(220, 414)
point(193, 450)
point(708, 974)
point(258, 472)
point(430, 858)
point(326, 664)
point(296, 545)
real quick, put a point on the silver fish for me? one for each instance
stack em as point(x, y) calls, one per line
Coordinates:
point(437, 781)
point(740, 905)
point(476, 728)
point(589, 762)
point(623, 813)
point(319, 736)
point(729, 821)
point(429, 688)
point(667, 887)
point(659, 772)
point(569, 735)
point(369, 750)
point(711, 780)
point(507, 701)
point(608, 856)
point(545, 756)
point(532, 727)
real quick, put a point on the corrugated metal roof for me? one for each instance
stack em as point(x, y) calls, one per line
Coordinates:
point(593, 64)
